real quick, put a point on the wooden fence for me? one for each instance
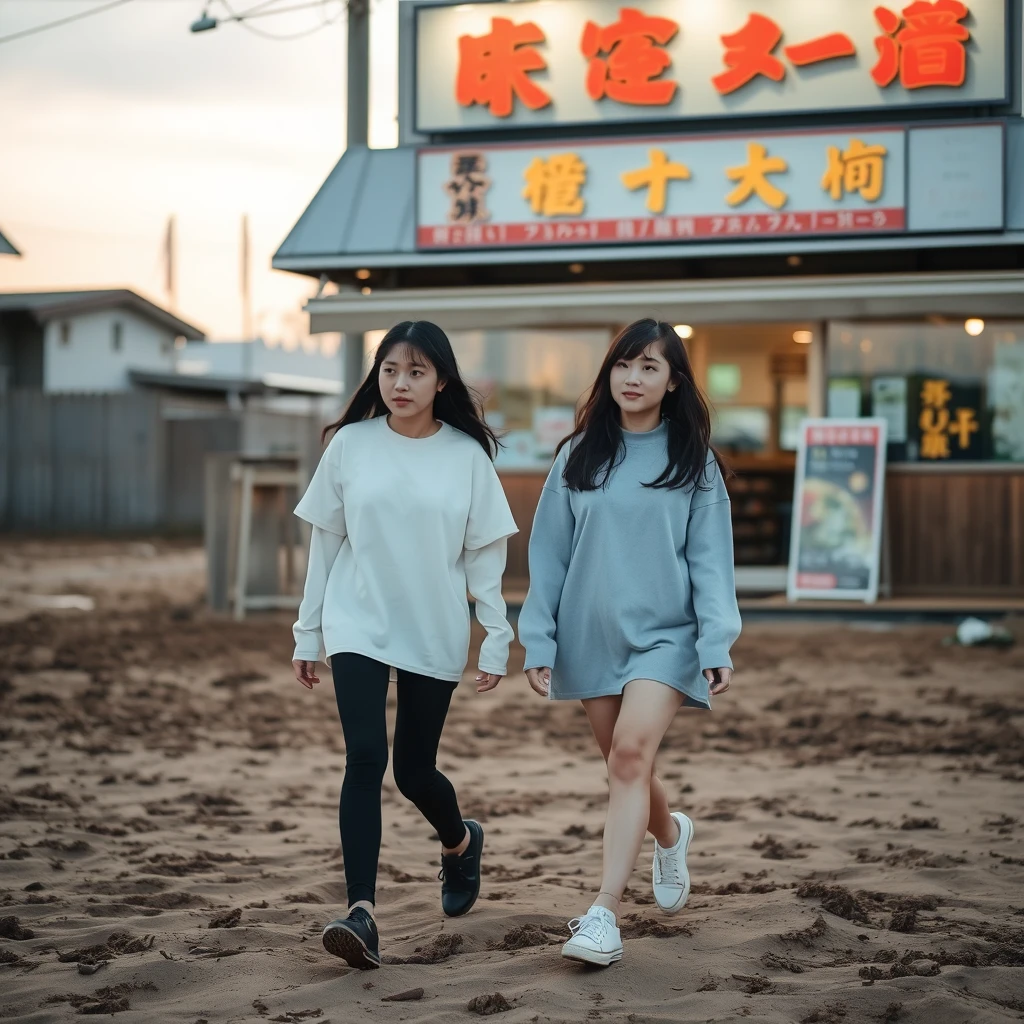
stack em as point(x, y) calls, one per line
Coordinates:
point(121, 463)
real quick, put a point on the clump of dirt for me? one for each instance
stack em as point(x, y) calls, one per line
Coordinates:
point(521, 937)
point(836, 899)
point(489, 1004)
point(109, 999)
point(743, 888)
point(633, 926)
point(439, 949)
point(11, 928)
point(176, 865)
point(774, 849)
point(117, 944)
point(903, 921)
point(910, 824)
point(807, 936)
point(228, 920)
point(774, 962)
point(754, 984)
point(830, 1013)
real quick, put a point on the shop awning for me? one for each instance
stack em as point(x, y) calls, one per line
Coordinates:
point(364, 215)
point(364, 211)
point(994, 294)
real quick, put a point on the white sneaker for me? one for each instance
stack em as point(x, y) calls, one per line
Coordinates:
point(671, 877)
point(595, 938)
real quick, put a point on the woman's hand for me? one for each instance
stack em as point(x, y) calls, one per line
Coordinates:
point(719, 678)
point(486, 681)
point(540, 680)
point(305, 672)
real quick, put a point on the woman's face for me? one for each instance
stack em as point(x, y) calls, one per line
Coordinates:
point(638, 385)
point(408, 382)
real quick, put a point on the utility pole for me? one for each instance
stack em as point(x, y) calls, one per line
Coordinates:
point(358, 134)
point(246, 299)
point(170, 256)
point(358, 108)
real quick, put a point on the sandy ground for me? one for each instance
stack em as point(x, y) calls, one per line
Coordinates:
point(168, 802)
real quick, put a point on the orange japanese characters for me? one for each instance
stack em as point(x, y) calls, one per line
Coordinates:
point(835, 44)
point(656, 178)
point(553, 186)
point(748, 53)
point(494, 69)
point(752, 178)
point(928, 50)
point(627, 58)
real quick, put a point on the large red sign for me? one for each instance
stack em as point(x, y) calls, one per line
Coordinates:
point(925, 46)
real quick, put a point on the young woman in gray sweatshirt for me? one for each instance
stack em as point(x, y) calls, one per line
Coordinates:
point(632, 603)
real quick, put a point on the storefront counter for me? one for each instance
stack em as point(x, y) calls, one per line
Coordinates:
point(956, 530)
point(951, 530)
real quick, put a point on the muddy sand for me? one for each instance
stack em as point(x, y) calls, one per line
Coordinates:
point(168, 816)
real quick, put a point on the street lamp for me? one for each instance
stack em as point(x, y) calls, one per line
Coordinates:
point(203, 23)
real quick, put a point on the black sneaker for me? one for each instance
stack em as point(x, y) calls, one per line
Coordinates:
point(355, 940)
point(460, 874)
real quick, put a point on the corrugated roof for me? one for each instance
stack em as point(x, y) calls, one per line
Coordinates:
point(6, 249)
point(47, 305)
point(366, 206)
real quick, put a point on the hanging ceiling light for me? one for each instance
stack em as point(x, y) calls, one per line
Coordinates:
point(974, 326)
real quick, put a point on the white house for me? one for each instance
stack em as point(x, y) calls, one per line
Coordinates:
point(88, 340)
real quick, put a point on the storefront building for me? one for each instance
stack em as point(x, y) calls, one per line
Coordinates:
point(827, 199)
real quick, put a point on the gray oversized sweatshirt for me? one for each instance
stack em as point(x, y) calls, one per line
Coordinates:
point(631, 582)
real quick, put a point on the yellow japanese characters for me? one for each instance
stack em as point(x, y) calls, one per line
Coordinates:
point(860, 169)
point(656, 178)
point(752, 178)
point(938, 423)
point(553, 186)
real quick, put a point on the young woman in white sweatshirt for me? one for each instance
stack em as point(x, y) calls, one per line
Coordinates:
point(407, 513)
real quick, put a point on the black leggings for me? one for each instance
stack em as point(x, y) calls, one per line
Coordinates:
point(361, 686)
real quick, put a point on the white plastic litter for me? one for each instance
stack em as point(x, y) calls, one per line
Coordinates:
point(62, 602)
point(973, 631)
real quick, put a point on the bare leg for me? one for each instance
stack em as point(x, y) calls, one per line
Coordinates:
point(646, 711)
point(603, 712)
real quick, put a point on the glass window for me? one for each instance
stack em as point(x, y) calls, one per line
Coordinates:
point(530, 382)
point(117, 336)
point(948, 391)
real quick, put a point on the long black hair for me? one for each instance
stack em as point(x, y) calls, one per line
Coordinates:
point(457, 404)
point(599, 446)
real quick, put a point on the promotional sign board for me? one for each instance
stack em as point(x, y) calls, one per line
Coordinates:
point(848, 181)
point(544, 63)
point(948, 421)
point(837, 510)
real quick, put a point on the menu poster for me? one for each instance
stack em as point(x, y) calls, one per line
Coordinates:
point(837, 510)
point(843, 399)
point(889, 401)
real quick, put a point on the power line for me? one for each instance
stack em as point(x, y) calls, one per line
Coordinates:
point(62, 21)
point(243, 18)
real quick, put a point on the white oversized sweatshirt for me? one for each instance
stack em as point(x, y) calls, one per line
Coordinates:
point(402, 528)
